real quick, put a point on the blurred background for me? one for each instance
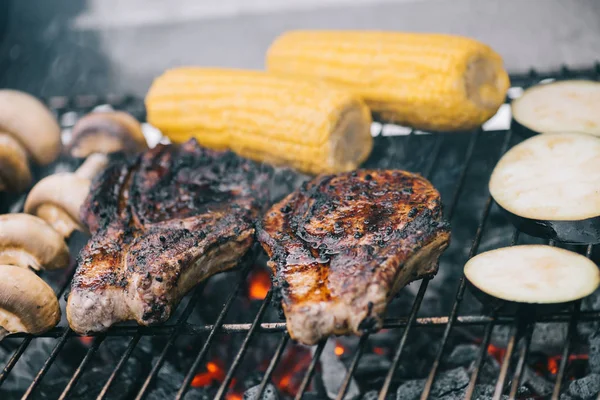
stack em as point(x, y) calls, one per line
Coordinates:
point(65, 47)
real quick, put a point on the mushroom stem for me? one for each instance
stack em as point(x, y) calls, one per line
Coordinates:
point(95, 163)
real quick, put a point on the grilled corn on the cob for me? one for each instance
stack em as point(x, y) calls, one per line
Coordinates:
point(427, 81)
point(310, 126)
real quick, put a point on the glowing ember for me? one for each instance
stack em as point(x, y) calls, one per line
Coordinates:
point(290, 371)
point(339, 350)
point(233, 396)
point(214, 372)
point(86, 340)
point(259, 284)
point(496, 352)
point(554, 362)
point(379, 350)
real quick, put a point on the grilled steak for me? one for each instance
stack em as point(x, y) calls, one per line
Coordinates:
point(343, 245)
point(160, 224)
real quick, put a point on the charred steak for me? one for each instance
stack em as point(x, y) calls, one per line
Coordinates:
point(343, 245)
point(160, 224)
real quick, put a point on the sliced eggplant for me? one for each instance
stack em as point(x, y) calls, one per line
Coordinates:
point(549, 185)
point(560, 106)
point(531, 275)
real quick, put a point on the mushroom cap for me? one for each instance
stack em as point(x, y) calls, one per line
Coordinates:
point(27, 303)
point(31, 123)
point(28, 241)
point(107, 132)
point(15, 175)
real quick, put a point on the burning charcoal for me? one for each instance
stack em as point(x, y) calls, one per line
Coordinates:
point(585, 388)
point(333, 372)
point(538, 384)
point(270, 393)
point(594, 360)
point(446, 385)
point(462, 355)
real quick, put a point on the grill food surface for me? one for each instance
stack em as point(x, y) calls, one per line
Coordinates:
point(343, 245)
point(160, 224)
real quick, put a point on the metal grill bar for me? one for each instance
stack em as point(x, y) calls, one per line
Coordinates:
point(310, 371)
point(184, 316)
point(396, 361)
point(480, 360)
point(521, 363)
point(194, 367)
point(238, 358)
point(81, 368)
point(122, 361)
point(505, 363)
point(570, 332)
point(348, 378)
point(274, 360)
point(49, 361)
point(461, 287)
point(560, 376)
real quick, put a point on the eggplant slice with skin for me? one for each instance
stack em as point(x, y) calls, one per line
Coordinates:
point(531, 274)
point(549, 186)
point(560, 106)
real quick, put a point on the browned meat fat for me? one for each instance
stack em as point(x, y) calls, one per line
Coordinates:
point(160, 224)
point(343, 245)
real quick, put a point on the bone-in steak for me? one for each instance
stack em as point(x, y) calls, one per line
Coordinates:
point(160, 224)
point(343, 245)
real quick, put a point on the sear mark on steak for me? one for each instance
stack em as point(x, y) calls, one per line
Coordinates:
point(343, 245)
point(160, 224)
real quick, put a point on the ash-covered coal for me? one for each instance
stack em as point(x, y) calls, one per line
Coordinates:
point(446, 383)
point(333, 372)
point(270, 393)
point(585, 388)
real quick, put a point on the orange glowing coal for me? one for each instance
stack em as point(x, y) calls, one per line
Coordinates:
point(259, 284)
point(496, 352)
point(379, 350)
point(554, 362)
point(214, 372)
point(339, 350)
point(86, 340)
point(290, 370)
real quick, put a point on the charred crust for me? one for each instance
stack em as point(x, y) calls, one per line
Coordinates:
point(158, 212)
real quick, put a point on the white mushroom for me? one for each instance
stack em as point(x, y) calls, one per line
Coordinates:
point(28, 241)
point(30, 122)
point(107, 132)
point(27, 303)
point(27, 129)
point(15, 175)
point(57, 198)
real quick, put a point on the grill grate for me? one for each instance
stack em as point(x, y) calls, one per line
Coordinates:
point(521, 325)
